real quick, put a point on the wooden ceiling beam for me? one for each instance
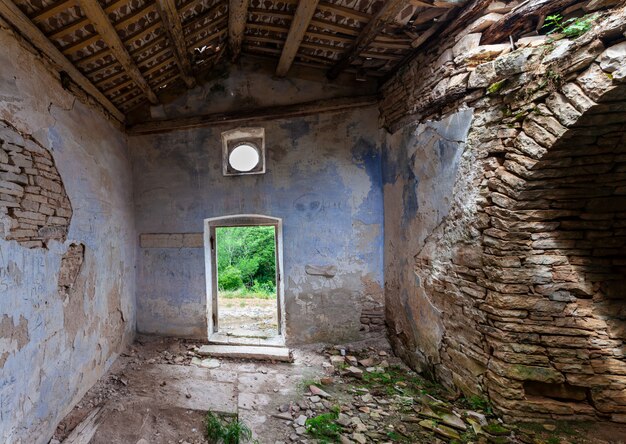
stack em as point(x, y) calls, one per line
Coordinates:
point(171, 20)
point(299, 25)
point(237, 19)
point(108, 33)
point(13, 15)
point(386, 15)
point(259, 114)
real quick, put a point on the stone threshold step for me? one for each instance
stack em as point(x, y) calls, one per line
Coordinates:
point(247, 352)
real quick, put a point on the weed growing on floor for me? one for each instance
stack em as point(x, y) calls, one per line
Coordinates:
point(220, 430)
point(323, 427)
point(306, 383)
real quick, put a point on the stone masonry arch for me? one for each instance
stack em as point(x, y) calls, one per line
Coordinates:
point(523, 279)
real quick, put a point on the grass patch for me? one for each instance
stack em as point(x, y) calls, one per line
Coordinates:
point(222, 429)
point(323, 427)
point(246, 294)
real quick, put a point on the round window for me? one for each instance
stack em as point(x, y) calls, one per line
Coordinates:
point(244, 157)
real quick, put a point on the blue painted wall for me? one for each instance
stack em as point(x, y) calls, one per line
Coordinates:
point(323, 179)
point(53, 346)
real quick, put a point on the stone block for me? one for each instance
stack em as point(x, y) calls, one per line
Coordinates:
point(594, 82)
point(466, 44)
point(613, 58)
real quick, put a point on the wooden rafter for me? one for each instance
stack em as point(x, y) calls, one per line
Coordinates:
point(386, 15)
point(96, 14)
point(171, 19)
point(237, 18)
point(12, 14)
point(299, 25)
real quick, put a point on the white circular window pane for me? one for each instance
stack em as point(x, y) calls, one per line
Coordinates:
point(244, 158)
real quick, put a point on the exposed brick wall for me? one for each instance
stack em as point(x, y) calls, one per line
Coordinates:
point(34, 207)
point(528, 269)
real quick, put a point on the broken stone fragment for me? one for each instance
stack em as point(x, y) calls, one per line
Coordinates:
point(354, 372)
point(453, 421)
point(352, 360)
point(369, 362)
point(440, 429)
point(300, 420)
point(337, 361)
point(315, 390)
point(359, 437)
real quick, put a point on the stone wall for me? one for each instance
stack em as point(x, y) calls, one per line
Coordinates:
point(67, 246)
point(506, 279)
point(323, 180)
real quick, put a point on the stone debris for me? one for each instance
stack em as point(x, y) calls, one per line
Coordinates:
point(388, 404)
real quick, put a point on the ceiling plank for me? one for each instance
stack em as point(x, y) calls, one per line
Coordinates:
point(52, 10)
point(300, 23)
point(237, 18)
point(108, 33)
point(16, 17)
point(171, 20)
point(386, 15)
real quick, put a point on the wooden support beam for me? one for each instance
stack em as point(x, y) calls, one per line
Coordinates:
point(300, 23)
point(98, 17)
point(13, 15)
point(256, 115)
point(386, 15)
point(237, 19)
point(171, 20)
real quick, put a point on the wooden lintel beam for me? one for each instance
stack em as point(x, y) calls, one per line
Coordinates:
point(174, 28)
point(385, 15)
point(237, 19)
point(98, 17)
point(256, 115)
point(300, 23)
point(13, 15)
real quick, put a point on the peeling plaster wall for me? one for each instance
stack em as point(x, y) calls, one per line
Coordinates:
point(54, 345)
point(323, 179)
point(421, 165)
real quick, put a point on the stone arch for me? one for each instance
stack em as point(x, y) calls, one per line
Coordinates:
point(520, 280)
point(556, 251)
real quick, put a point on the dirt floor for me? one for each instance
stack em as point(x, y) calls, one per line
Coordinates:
point(160, 391)
point(248, 317)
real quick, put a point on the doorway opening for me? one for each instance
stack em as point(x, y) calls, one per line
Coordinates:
point(244, 285)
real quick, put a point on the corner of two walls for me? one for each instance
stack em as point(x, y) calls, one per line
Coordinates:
point(429, 193)
point(67, 246)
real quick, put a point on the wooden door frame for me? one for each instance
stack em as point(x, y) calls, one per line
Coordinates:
point(210, 261)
